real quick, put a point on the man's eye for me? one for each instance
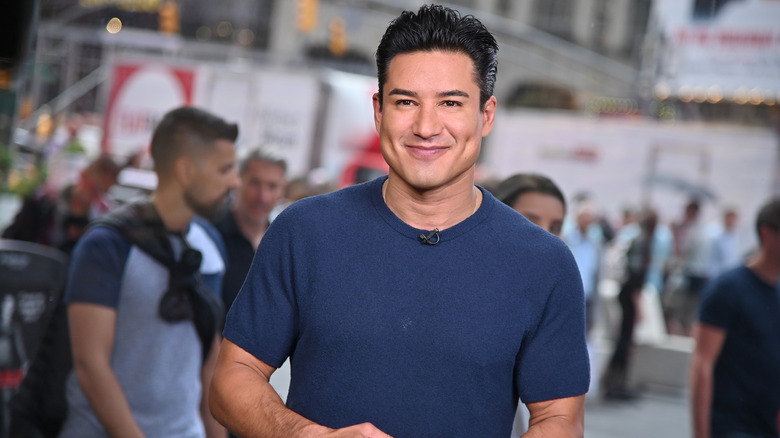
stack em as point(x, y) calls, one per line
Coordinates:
point(404, 102)
point(451, 103)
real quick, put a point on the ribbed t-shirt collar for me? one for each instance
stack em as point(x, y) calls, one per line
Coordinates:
point(451, 233)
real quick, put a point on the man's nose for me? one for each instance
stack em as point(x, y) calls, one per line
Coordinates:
point(267, 194)
point(235, 180)
point(427, 123)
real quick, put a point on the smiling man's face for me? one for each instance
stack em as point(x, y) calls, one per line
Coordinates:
point(431, 125)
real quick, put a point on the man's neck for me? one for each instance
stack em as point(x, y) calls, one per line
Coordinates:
point(251, 230)
point(427, 210)
point(766, 266)
point(173, 211)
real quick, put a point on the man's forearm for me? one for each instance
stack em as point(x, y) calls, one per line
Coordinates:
point(213, 428)
point(107, 399)
point(246, 403)
point(701, 398)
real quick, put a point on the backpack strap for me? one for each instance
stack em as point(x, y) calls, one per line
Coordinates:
point(141, 225)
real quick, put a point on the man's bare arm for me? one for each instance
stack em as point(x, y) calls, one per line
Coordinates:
point(563, 417)
point(242, 399)
point(709, 341)
point(212, 426)
point(92, 329)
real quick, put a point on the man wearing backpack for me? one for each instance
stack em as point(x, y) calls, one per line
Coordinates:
point(144, 331)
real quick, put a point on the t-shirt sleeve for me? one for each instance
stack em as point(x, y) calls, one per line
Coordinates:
point(96, 268)
point(717, 306)
point(263, 317)
point(553, 362)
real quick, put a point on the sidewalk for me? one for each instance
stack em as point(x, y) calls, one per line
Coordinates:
point(659, 372)
point(651, 416)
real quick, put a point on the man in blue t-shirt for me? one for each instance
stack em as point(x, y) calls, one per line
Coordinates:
point(735, 368)
point(143, 348)
point(415, 304)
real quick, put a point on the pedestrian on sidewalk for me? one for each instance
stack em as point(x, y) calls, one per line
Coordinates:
point(735, 368)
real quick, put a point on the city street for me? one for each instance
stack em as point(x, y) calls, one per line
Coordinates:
point(659, 372)
point(643, 134)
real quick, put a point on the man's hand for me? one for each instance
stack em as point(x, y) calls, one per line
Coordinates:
point(242, 399)
point(364, 430)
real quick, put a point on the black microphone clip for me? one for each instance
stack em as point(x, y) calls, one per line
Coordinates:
point(431, 238)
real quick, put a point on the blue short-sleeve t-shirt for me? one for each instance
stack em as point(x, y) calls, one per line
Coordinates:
point(746, 380)
point(420, 340)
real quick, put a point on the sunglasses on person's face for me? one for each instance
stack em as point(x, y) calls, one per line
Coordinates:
point(176, 303)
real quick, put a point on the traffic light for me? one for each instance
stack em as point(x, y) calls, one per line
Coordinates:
point(307, 15)
point(338, 37)
point(16, 30)
point(168, 16)
point(5, 79)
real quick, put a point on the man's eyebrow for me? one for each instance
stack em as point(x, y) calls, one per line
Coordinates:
point(530, 215)
point(401, 92)
point(449, 93)
point(453, 93)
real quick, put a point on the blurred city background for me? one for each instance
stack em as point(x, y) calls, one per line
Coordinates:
point(625, 103)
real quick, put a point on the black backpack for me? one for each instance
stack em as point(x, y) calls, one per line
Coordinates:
point(40, 400)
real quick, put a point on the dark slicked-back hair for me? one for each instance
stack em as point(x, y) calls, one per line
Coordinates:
point(768, 216)
point(511, 188)
point(436, 27)
point(187, 130)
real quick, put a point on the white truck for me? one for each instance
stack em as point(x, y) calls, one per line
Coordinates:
point(314, 118)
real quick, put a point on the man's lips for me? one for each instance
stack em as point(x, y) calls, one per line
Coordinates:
point(426, 151)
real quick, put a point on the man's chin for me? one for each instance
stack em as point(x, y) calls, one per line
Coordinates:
point(261, 215)
point(212, 213)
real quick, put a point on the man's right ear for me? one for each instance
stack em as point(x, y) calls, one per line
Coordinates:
point(377, 111)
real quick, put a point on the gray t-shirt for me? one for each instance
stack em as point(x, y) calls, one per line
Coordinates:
point(157, 364)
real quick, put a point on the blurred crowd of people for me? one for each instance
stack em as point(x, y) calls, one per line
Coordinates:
point(684, 278)
point(201, 223)
point(678, 258)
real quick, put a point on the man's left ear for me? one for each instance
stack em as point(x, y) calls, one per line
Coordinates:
point(488, 116)
point(184, 169)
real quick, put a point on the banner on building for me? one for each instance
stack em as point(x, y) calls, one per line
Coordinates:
point(717, 49)
point(273, 109)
